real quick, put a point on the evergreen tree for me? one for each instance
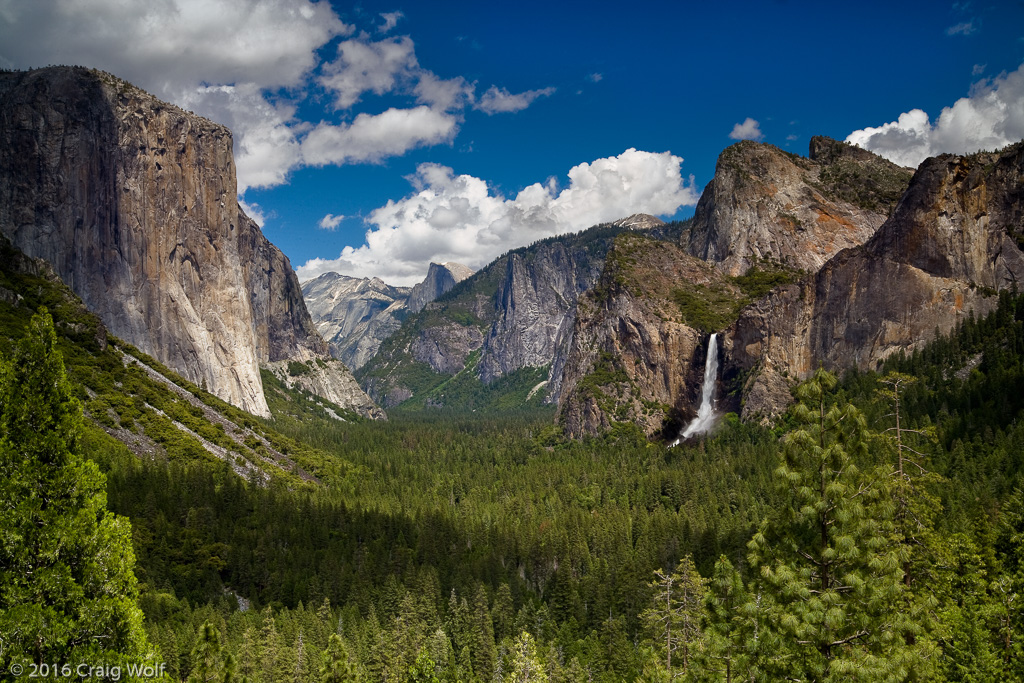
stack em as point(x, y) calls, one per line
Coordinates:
point(828, 568)
point(207, 664)
point(67, 588)
point(526, 666)
point(1009, 588)
point(733, 642)
point(482, 634)
point(337, 668)
point(423, 669)
point(675, 616)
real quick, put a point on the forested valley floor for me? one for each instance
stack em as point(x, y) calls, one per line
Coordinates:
point(876, 533)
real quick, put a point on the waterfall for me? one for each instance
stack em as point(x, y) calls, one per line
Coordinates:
point(706, 413)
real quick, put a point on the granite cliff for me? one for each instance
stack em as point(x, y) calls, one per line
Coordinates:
point(765, 205)
point(354, 314)
point(441, 277)
point(633, 355)
point(834, 261)
point(954, 241)
point(133, 202)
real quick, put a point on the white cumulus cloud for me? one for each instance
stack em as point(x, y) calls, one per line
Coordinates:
point(459, 218)
point(181, 51)
point(167, 44)
point(990, 117)
point(748, 130)
point(499, 100)
point(368, 67)
point(330, 221)
point(390, 21)
point(371, 138)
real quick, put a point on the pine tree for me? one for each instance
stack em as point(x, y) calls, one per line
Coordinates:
point(270, 646)
point(67, 587)
point(207, 663)
point(526, 666)
point(482, 634)
point(675, 616)
point(828, 569)
point(733, 642)
point(337, 667)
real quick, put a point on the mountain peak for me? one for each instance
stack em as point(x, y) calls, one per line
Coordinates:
point(639, 221)
point(440, 278)
point(768, 205)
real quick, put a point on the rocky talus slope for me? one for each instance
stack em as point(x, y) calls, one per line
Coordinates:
point(765, 205)
point(133, 202)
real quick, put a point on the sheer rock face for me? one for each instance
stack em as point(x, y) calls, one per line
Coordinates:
point(133, 202)
point(952, 241)
point(766, 205)
point(355, 315)
point(536, 310)
point(441, 277)
point(283, 326)
point(632, 358)
point(445, 348)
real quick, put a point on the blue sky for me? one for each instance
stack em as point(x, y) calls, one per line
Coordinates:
point(468, 117)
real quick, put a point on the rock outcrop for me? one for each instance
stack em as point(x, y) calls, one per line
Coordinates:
point(441, 277)
point(327, 378)
point(633, 358)
point(639, 221)
point(133, 202)
point(765, 205)
point(952, 243)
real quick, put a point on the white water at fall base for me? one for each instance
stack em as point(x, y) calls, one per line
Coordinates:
point(705, 419)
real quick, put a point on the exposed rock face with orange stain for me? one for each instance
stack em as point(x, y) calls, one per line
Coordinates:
point(953, 241)
point(132, 200)
point(767, 205)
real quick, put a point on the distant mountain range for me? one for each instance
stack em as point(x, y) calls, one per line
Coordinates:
point(355, 315)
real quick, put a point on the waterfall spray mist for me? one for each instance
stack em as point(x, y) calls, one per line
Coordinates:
point(705, 419)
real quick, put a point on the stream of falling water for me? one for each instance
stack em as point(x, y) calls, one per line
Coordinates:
point(705, 419)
